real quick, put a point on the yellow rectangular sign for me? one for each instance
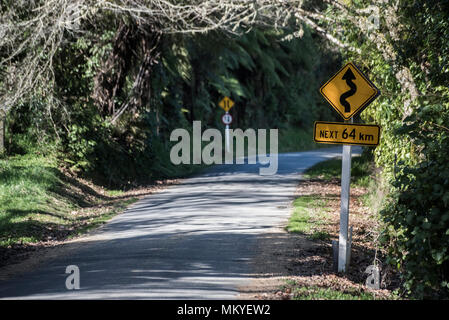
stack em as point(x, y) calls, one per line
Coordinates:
point(346, 133)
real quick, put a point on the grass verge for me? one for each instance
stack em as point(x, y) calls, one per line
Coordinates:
point(294, 139)
point(315, 292)
point(361, 170)
point(40, 205)
point(309, 213)
point(316, 213)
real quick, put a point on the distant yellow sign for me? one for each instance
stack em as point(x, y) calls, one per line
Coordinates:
point(226, 104)
point(349, 91)
point(346, 133)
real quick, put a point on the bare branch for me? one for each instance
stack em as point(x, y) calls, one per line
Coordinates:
point(28, 45)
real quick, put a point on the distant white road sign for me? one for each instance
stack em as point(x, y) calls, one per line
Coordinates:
point(226, 119)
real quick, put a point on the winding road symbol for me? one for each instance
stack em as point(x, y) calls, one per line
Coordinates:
point(349, 103)
point(348, 77)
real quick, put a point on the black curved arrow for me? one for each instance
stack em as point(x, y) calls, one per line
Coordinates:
point(348, 76)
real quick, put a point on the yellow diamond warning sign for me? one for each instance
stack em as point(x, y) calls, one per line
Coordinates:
point(349, 91)
point(346, 133)
point(226, 104)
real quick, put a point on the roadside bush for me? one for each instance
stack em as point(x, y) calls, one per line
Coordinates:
point(113, 155)
point(417, 213)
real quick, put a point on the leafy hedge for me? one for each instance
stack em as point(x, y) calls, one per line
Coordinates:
point(417, 213)
point(414, 145)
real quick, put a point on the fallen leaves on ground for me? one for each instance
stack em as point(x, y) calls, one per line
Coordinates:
point(300, 265)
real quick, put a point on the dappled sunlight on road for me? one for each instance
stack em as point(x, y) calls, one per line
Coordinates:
point(194, 240)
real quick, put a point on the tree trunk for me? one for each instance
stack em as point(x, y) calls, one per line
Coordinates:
point(109, 81)
point(141, 90)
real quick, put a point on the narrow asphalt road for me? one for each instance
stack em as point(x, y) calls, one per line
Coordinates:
point(191, 241)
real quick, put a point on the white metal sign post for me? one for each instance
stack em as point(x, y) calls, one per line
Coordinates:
point(226, 104)
point(349, 91)
point(344, 243)
point(227, 138)
point(227, 120)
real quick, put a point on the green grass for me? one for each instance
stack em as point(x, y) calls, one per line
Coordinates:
point(37, 201)
point(318, 293)
point(115, 193)
point(27, 199)
point(310, 211)
point(297, 139)
point(308, 214)
point(361, 168)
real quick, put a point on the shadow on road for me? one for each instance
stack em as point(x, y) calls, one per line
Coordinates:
point(201, 239)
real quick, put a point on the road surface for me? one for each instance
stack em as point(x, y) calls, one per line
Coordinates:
point(191, 241)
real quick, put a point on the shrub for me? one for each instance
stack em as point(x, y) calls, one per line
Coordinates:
point(417, 213)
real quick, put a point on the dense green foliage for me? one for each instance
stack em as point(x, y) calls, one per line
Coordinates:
point(417, 215)
point(272, 81)
point(414, 116)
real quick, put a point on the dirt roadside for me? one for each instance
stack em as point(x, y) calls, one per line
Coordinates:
point(284, 258)
point(21, 258)
point(280, 257)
